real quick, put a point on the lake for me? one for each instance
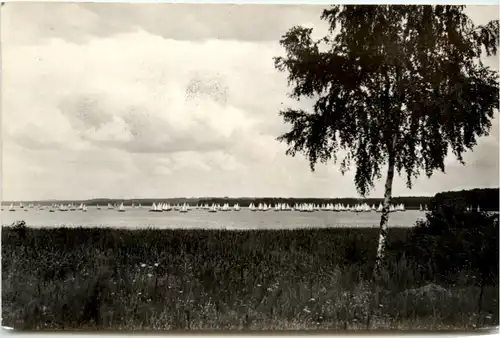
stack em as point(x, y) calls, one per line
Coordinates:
point(244, 219)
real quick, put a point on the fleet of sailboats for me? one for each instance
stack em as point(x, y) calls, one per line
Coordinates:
point(226, 207)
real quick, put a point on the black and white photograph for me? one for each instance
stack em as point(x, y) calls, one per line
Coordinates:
point(249, 167)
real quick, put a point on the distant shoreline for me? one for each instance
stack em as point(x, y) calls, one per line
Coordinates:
point(486, 198)
point(229, 199)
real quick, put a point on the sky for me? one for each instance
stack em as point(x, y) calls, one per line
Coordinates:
point(162, 100)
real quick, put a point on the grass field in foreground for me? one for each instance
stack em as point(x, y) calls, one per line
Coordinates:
point(211, 279)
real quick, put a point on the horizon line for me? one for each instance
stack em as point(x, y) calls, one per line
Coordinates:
point(207, 197)
point(230, 197)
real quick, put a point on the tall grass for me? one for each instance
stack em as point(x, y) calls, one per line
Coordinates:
point(81, 278)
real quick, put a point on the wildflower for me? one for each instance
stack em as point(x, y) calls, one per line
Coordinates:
point(143, 265)
point(140, 293)
point(488, 316)
point(150, 275)
point(181, 291)
point(306, 310)
point(312, 300)
point(156, 264)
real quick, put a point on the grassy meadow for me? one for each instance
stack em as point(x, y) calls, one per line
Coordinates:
point(313, 279)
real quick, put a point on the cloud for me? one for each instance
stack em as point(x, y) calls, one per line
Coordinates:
point(190, 22)
point(97, 108)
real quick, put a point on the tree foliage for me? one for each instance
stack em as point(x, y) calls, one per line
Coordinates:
point(452, 239)
point(397, 85)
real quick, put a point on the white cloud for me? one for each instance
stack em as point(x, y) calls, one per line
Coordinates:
point(136, 115)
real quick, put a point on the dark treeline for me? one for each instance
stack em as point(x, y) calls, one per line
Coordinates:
point(487, 199)
point(411, 202)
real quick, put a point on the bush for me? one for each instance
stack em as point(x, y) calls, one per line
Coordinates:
point(452, 240)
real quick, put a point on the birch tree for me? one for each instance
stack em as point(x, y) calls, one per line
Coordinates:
point(395, 88)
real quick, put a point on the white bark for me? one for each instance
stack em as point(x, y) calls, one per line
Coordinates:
point(384, 219)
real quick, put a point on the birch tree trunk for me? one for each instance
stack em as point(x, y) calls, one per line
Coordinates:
point(384, 219)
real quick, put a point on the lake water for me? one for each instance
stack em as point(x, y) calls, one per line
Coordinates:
point(244, 219)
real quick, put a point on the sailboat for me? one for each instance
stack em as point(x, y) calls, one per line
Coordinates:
point(84, 208)
point(121, 208)
point(184, 208)
point(153, 208)
point(11, 208)
point(212, 208)
point(98, 207)
point(110, 206)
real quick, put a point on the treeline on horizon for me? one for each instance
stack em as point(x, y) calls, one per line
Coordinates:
point(487, 199)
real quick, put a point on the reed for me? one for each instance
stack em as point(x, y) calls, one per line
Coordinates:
point(101, 278)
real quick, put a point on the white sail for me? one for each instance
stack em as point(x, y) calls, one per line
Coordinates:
point(213, 208)
point(184, 208)
point(121, 208)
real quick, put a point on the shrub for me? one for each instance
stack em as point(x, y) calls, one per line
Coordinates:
point(452, 239)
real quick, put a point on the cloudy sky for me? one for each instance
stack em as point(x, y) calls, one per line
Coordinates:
point(124, 101)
